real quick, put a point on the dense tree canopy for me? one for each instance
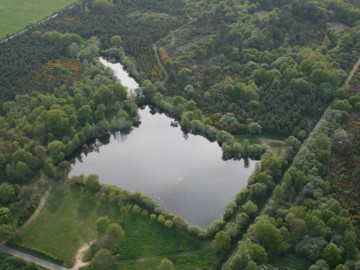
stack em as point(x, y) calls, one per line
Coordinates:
point(220, 68)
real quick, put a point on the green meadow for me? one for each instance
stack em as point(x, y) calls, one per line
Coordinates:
point(15, 15)
point(68, 220)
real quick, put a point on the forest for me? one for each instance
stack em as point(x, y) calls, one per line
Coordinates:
point(222, 69)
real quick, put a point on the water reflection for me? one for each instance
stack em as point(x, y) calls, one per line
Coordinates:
point(183, 172)
point(186, 176)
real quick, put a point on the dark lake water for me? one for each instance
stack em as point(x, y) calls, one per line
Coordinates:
point(185, 174)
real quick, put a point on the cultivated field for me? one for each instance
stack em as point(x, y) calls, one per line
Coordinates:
point(15, 15)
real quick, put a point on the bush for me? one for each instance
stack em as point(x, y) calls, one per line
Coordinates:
point(222, 241)
point(250, 208)
point(136, 208)
point(92, 183)
point(102, 223)
point(357, 106)
point(179, 222)
point(161, 219)
point(102, 259)
point(332, 254)
point(257, 253)
point(168, 224)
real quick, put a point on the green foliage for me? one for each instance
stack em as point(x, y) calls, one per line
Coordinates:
point(7, 193)
point(115, 231)
point(179, 222)
point(267, 235)
point(5, 215)
point(168, 224)
point(332, 254)
point(53, 128)
point(62, 39)
point(116, 40)
point(250, 208)
point(161, 219)
point(275, 63)
point(193, 120)
point(11, 263)
point(342, 105)
point(102, 259)
point(8, 232)
point(222, 241)
point(102, 224)
point(357, 106)
point(257, 253)
point(72, 214)
point(228, 122)
point(166, 264)
point(98, 4)
point(319, 265)
point(341, 267)
point(350, 239)
point(242, 259)
point(293, 142)
point(92, 183)
point(254, 128)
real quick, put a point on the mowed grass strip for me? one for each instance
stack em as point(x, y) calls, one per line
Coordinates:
point(15, 15)
point(69, 219)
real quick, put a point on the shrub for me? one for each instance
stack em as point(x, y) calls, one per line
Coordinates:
point(92, 183)
point(168, 224)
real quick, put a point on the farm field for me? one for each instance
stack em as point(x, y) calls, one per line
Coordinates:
point(15, 15)
point(69, 220)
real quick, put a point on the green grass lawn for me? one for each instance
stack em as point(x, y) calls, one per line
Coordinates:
point(274, 143)
point(68, 220)
point(251, 139)
point(16, 14)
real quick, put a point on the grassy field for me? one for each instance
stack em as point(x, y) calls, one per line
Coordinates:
point(186, 261)
point(68, 220)
point(251, 139)
point(16, 14)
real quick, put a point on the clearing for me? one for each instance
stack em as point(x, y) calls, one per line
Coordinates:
point(68, 221)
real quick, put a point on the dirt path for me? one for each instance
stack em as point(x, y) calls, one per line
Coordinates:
point(79, 256)
point(327, 111)
point(351, 74)
point(38, 209)
point(28, 257)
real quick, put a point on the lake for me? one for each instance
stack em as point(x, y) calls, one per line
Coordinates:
point(184, 173)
